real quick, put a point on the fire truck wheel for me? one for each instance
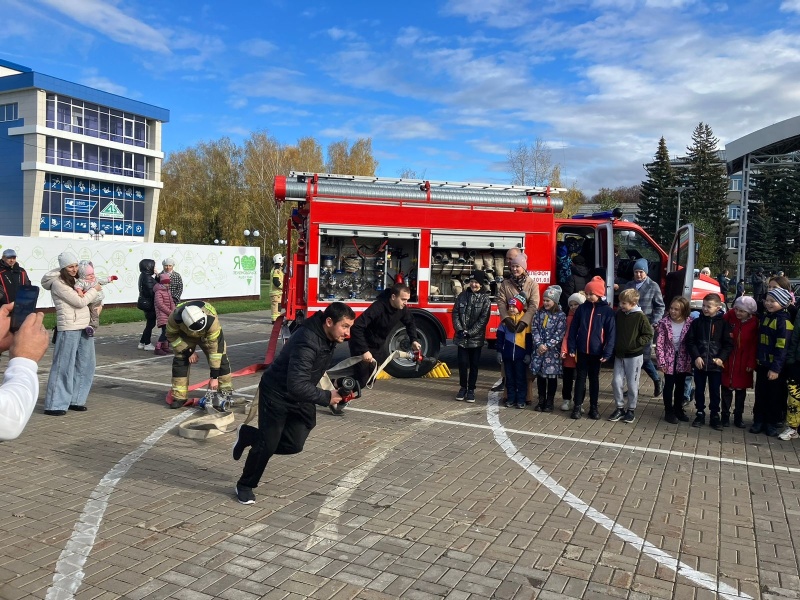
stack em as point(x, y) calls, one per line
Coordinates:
point(398, 340)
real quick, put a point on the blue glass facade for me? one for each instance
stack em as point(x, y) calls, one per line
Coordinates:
point(78, 205)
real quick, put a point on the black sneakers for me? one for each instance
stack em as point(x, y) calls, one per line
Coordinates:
point(594, 413)
point(715, 423)
point(629, 417)
point(616, 415)
point(462, 393)
point(699, 420)
point(245, 494)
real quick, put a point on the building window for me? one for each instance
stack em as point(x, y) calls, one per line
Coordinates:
point(735, 184)
point(734, 212)
point(9, 112)
point(732, 243)
point(95, 158)
point(69, 114)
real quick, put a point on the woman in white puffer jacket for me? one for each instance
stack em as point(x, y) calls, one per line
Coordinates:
point(73, 367)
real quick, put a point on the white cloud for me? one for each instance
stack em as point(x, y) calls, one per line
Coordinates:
point(337, 34)
point(257, 47)
point(105, 18)
point(282, 110)
point(503, 14)
point(288, 85)
point(93, 80)
point(790, 6)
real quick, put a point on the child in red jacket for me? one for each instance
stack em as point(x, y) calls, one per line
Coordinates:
point(737, 374)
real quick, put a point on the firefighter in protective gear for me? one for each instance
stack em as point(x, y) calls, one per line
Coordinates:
point(277, 285)
point(190, 325)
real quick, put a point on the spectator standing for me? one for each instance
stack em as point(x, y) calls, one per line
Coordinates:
point(634, 334)
point(739, 288)
point(470, 316)
point(12, 276)
point(590, 343)
point(72, 372)
point(673, 358)
point(568, 362)
point(547, 334)
point(792, 370)
point(514, 352)
point(652, 303)
point(146, 301)
point(759, 284)
point(164, 305)
point(724, 285)
point(20, 388)
point(709, 344)
point(774, 334)
point(175, 279)
point(518, 282)
point(737, 374)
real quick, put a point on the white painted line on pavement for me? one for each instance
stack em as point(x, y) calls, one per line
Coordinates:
point(626, 535)
point(69, 567)
point(566, 438)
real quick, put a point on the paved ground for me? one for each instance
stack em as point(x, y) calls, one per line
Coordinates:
point(411, 495)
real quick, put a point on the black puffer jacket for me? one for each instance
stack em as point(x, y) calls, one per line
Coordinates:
point(11, 278)
point(294, 374)
point(147, 282)
point(371, 329)
point(470, 314)
point(709, 338)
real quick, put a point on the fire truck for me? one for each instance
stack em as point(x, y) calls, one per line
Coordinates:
point(355, 236)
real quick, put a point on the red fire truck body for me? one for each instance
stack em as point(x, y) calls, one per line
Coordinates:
point(356, 236)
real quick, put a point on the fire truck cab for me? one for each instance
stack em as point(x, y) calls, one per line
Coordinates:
point(355, 236)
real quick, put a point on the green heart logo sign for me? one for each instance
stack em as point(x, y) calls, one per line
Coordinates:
point(248, 263)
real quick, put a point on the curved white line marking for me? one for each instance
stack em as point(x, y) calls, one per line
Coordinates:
point(69, 567)
point(626, 535)
point(566, 438)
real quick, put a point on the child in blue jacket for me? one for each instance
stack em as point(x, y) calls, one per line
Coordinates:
point(590, 342)
point(514, 350)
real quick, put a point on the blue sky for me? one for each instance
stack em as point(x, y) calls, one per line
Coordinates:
point(444, 87)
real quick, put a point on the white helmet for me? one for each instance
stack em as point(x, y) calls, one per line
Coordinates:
point(194, 317)
point(278, 259)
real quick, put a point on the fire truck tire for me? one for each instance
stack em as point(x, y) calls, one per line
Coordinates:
point(398, 340)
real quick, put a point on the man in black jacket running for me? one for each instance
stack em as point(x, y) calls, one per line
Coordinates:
point(288, 395)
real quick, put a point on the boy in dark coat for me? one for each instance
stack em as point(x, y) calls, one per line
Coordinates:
point(590, 342)
point(709, 344)
point(470, 316)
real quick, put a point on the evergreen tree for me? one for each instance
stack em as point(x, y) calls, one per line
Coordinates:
point(657, 201)
point(773, 232)
point(705, 199)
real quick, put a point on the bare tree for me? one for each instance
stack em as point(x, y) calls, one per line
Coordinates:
point(530, 164)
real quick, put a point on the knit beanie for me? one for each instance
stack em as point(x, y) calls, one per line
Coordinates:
point(163, 279)
point(85, 269)
point(66, 259)
point(553, 293)
point(746, 303)
point(641, 265)
point(596, 286)
point(576, 297)
point(520, 259)
point(168, 262)
point(480, 277)
point(519, 301)
point(781, 296)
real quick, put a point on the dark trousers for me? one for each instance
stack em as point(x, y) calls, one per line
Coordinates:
point(714, 379)
point(468, 359)
point(588, 366)
point(547, 387)
point(283, 428)
point(516, 381)
point(147, 334)
point(735, 397)
point(163, 336)
point(674, 391)
point(568, 378)
point(648, 366)
point(770, 403)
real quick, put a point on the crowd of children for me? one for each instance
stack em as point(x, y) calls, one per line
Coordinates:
point(721, 354)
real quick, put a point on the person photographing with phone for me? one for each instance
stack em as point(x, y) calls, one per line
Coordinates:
point(20, 388)
point(72, 373)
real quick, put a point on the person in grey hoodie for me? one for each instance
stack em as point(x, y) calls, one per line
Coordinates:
point(72, 372)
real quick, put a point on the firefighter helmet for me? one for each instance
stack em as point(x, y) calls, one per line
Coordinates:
point(194, 318)
point(278, 259)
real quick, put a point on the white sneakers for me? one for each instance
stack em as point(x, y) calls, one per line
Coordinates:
point(148, 347)
point(790, 433)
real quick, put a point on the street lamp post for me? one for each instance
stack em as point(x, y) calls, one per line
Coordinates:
point(96, 233)
point(249, 235)
point(679, 189)
point(172, 233)
point(218, 242)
